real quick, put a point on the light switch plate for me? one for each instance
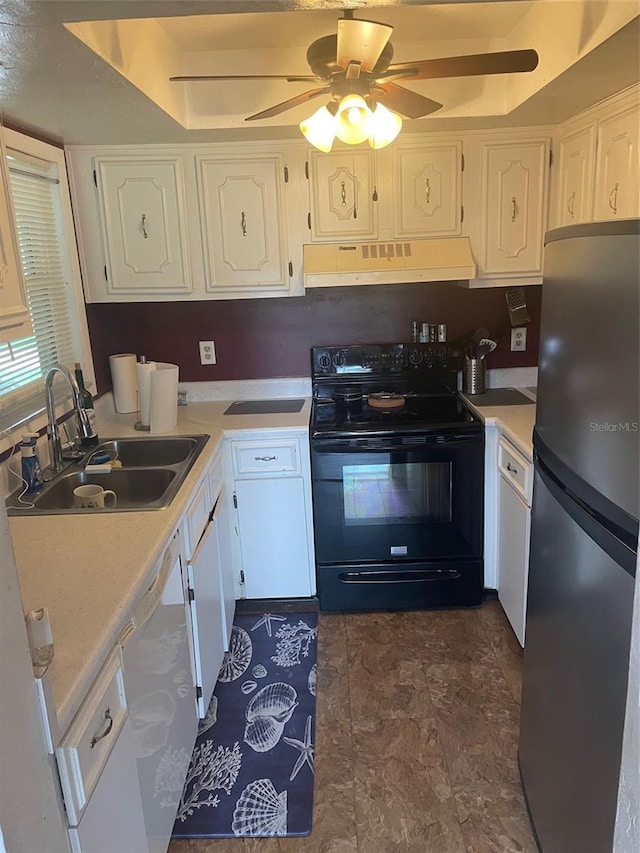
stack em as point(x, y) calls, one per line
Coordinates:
point(207, 352)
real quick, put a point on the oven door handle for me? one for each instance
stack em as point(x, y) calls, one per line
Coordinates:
point(363, 445)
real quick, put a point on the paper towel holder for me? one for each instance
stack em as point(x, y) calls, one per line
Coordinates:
point(138, 424)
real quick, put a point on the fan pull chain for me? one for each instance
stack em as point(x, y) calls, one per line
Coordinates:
point(375, 175)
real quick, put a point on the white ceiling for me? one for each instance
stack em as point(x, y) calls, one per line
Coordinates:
point(96, 71)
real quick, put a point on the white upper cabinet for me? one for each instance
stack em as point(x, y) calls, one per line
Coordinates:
point(341, 195)
point(618, 166)
point(598, 170)
point(14, 312)
point(142, 207)
point(244, 224)
point(427, 184)
point(514, 205)
point(574, 197)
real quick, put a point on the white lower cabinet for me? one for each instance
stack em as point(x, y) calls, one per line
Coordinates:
point(273, 519)
point(113, 820)
point(209, 578)
point(514, 522)
point(97, 766)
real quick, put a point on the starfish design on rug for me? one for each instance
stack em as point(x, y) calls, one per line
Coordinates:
point(266, 619)
point(306, 750)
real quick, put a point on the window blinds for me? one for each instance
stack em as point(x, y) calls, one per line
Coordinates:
point(43, 250)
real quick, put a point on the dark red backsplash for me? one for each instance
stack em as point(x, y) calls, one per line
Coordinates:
point(266, 338)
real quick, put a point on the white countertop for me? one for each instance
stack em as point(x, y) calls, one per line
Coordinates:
point(89, 570)
point(515, 422)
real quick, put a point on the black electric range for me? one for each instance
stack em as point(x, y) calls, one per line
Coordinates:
point(398, 491)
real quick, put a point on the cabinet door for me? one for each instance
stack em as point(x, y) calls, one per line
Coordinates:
point(144, 224)
point(113, 821)
point(273, 537)
point(206, 613)
point(244, 223)
point(617, 179)
point(342, 203)
point(227, 589)
point(427, 190)
point(514, 521)
point(514, 215)
point(575, 183)
point(15, 321)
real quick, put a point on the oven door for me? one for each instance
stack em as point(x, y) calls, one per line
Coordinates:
point(398, 498)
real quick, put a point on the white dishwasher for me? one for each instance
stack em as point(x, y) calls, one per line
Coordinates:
point(160, 696)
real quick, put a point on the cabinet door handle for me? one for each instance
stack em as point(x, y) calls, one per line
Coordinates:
point(511, 468)
point(515, 210)
point(613, 199)
point(343, 193)
point(243, 224)
point(571, 203)
point(265, 458)
point(427, 191)
point(108, 719)
point(143, 225)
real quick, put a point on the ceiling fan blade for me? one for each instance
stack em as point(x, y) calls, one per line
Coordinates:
point(403, 101)
point(361, 41)
point(289, 104)
point(290, 78)
point(504, 62)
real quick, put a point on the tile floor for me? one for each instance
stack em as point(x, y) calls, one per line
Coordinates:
point(416, 738)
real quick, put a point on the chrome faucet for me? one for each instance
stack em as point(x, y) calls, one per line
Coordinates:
point(56, 456)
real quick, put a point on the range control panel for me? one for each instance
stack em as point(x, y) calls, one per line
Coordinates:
point(384, 359)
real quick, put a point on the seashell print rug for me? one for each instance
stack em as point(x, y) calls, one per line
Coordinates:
point(251, 771)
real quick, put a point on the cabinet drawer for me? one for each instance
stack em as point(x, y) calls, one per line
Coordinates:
point(85, 748)
point(251, 458)
point(196, 518)
point(515, 468)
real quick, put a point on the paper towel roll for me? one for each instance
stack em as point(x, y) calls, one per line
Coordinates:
point(144, 373)
point(163, 412)
point(125, 381)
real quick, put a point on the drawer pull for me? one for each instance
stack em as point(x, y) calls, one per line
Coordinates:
point(109, 725)
point(510, 468)
point(265, 458)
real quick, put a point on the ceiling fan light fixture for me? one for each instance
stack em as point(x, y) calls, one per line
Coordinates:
point(353, 121)
point(320, 129)
point(385, 126)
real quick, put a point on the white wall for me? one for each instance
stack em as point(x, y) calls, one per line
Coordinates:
point(29, 813)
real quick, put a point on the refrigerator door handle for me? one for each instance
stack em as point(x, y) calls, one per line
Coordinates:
point(619, 551)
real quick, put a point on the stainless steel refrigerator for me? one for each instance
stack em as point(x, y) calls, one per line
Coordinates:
point(583, 537)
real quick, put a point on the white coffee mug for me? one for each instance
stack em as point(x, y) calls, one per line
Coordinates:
point(93, 497)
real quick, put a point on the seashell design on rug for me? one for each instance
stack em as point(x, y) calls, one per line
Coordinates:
point(248, 687)
point(260, 810)
point(259, 671)
point(312, 680)
point(238, 658)
point(267, 714)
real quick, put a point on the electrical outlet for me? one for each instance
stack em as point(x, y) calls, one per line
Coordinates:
point(207, 352)
point(519, 339)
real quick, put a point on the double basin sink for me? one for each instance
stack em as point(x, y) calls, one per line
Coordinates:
point(146, 475)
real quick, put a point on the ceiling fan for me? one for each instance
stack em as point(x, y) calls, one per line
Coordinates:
point(357, 61)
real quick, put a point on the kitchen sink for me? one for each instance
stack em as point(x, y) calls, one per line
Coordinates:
point(148, 475)
point(148, 452)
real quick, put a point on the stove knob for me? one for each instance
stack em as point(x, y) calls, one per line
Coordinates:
point(415, 356)
point(324, 361)
point(338, 359)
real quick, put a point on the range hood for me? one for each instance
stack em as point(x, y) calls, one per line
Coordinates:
point(392, 262)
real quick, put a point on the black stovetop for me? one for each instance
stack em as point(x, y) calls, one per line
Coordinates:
point(425, 374)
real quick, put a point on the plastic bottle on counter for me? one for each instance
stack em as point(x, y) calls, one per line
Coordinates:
point(87, 429)
point(31, 471)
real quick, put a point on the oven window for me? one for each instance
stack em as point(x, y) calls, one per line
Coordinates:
point(397, 492)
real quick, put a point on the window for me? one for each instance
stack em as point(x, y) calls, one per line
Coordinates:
point(39, 187)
